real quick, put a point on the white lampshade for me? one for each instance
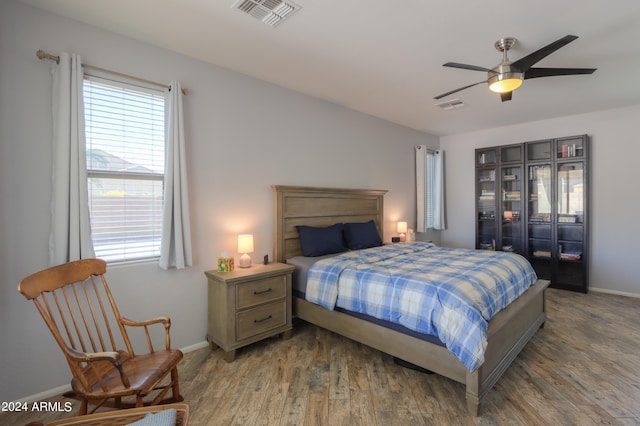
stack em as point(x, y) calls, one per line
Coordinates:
point(402, 228)
point(245, 245)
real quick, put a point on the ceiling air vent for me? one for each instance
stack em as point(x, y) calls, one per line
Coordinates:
point(271, 12)
point(452, 104)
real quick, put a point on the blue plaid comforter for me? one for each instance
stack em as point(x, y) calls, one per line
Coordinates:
point(449, 293)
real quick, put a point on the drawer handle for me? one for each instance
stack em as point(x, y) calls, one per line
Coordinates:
point(262, 320)
point(262, 292)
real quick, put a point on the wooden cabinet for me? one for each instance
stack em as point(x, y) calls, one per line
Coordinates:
point(532, 198)
point(248, 305)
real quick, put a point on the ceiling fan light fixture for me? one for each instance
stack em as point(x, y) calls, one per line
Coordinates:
point(506, 82)
point(506, 77)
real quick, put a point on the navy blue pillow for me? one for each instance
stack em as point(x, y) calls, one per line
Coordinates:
point(320, 241)
point(362, 235)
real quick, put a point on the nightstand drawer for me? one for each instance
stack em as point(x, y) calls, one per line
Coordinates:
point(260, 291)
point(263, 318)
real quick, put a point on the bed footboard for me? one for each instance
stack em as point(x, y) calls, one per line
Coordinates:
point(509, 331)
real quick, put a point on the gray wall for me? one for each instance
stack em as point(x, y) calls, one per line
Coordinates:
point(615, 153)
point(243, 136)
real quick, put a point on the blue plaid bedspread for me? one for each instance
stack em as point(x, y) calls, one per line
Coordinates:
point(449, 293)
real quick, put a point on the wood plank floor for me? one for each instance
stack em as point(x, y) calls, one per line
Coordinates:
point(582, 368)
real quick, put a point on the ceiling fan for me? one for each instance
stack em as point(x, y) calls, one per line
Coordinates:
point(507, 76)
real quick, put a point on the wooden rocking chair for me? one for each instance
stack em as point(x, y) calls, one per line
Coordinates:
point(77, 306)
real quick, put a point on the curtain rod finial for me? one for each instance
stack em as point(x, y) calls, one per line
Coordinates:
point(185, 92)
point(41, 54)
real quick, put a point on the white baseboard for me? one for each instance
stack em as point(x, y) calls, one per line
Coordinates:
point(195, 347)
point(62, 389)
point(616, 292)
point(46, 394)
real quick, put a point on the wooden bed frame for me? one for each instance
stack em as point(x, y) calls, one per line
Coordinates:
point(508, 332)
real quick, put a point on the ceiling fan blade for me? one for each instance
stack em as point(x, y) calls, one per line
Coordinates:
point(465, 66)
point(550, 72)
point(523, 64)
point(506, 96)
point(459, 89)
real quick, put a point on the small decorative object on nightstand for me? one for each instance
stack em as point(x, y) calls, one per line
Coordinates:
point(248, 305)
point(225, 263)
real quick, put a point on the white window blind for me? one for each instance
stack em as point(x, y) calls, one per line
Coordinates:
point(124, 128)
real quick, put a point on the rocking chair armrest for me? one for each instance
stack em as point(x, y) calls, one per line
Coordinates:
point(113, 357)
point(164, 320)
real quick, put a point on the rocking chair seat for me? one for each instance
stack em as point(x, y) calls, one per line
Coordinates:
point(143, 371)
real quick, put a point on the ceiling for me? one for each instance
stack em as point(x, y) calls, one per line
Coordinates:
point(384, 58)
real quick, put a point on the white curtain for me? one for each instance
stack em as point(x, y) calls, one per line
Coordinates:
point(439, 221)
point(421, 188)
point(175, 248)
point(430, 189)
point(70, 237)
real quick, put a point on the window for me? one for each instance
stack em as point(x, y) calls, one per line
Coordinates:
point(125, 146)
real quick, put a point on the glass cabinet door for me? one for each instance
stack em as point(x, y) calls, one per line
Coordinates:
point(540, 192)
point(570, 192)
point(511, 154)
point(570, 229)
point(570, 147)
point(486, 208)
point(540, 204)
point(486, 156)
point(511, 184)
point(539, 151)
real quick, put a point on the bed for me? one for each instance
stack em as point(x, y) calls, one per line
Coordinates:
point(508, 331)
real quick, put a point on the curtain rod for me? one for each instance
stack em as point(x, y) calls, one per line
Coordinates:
point(429, 150)
point(41, 54)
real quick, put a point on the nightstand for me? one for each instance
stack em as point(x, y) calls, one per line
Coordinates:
point(247, 305)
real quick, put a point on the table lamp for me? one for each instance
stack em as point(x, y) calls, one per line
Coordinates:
point(245, 245)
point(402, 229)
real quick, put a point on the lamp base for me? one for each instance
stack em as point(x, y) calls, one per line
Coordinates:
point(403, 237)
point(245, 261)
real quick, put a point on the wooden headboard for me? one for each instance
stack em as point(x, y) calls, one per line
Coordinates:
point(311, 206)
